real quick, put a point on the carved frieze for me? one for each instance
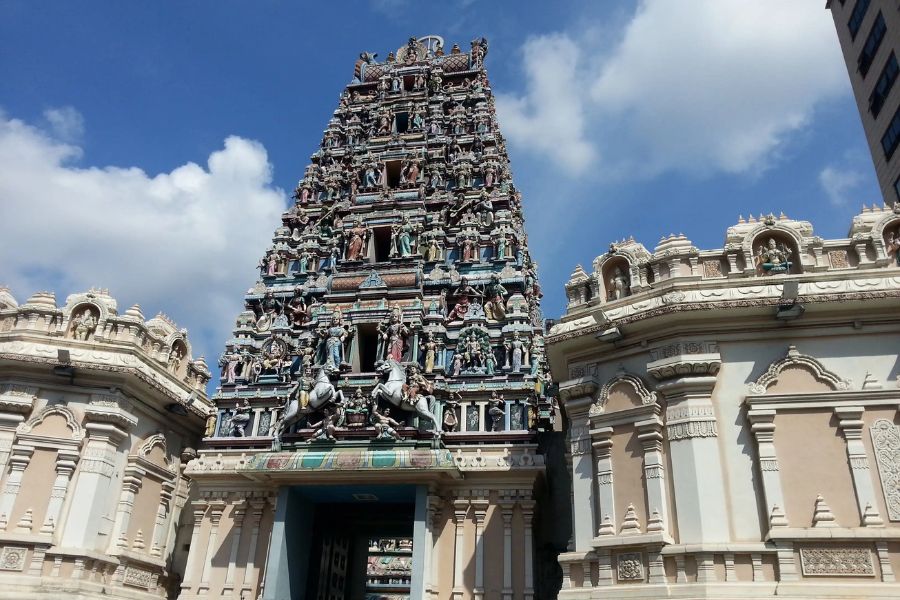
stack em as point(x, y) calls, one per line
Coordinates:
point(137, 577)
point(686, 422)
point(842, 562)
point(12, 558)
point(630, 566)
point(886, 443)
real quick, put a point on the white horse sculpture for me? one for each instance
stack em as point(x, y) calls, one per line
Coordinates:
point(392, 391)
point(322, 393)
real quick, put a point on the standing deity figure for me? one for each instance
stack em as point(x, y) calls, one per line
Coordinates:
point(392, 336)
point(496, 410)
point(893, 247)
point(240, 417)
point(334, 336)
point(468, 248)
point(419, 82)
point(435, 83)
point(500, 243)
point(618, 284)
point(515, 352)
point(230, 361)
point(418, 120)
point(175, 356)
point(457, 364)
point(324, 429)
point(85, 325)
point(494, 304)
point(396, 84)
point(304, 387)
point(463, 175)
point(432, 250)
point(430, 346)
point(403, 237)
point(451, 422)
point(773, 258)
point(356, 246)
point(385, 425)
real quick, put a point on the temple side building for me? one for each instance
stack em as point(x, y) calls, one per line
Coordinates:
point(383, 398)
point(732, 414)
point(99, 413)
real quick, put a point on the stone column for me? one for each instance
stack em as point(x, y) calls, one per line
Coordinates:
point(577, 396)
point(190, 571)
point(479, 505)
point(16, 403)
point(215, 516)
point(94, 484)
point(686, 372)
point(851, 424)
point(651, 438)
point(460, 509)
point(257, 506)
point(237, 517)
point(65, 466)
point(762, 424)
point(19, 458)
point(431, 551)
point(131, 483)
point(605, 505)
point(506, 507)
point(420, 545)
point(527, 506)
point(160, 527)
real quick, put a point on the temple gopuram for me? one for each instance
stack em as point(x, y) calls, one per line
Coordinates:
point(384, 394)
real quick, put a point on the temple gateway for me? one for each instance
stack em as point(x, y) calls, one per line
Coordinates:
point(382, 399)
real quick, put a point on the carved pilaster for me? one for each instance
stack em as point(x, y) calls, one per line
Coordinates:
point(18, 461)
point(526, 504)
point(506, 508)
point(651, 438)
point(257, 507)
point(238, 512)
point(602, 444)
point(851, 425)
point(762, 424)
point(479, 507)
point(460, 510)
point(194, 551)
point(216, 508)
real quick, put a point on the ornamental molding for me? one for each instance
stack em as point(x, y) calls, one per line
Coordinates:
point(684, 359)
point(840, 562)
point(649, 306)
point(886, 443)
point(130, 365)
point(12, 558)
point(640, 388)
point(686, 422)
point(56, 409)
point(794, 358)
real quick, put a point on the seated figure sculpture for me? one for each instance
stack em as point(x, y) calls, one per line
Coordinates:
point(774, 259)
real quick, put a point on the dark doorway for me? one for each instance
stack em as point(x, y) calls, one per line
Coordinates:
point(367, 340)
point(381, 237)
point(358, 550)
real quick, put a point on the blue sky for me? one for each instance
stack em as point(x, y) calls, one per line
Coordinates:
point(149, 147)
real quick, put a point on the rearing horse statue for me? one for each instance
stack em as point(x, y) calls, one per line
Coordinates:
point(392, 391)
point(322, 393)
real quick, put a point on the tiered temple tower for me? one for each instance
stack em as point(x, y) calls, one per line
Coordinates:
point(391, 354)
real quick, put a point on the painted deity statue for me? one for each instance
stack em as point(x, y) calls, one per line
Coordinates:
point(240, 417)
point(464, 294)
point(404, 237)
point(494, 305)
point(392, 337)
point(356, 245)
point(774, 259)
point(515, 352)
point(333, 337)
point(385, 425)
point(496, 411)
point(430, 347)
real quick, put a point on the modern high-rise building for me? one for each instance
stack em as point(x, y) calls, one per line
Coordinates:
point(869, 33)
point(379, 418)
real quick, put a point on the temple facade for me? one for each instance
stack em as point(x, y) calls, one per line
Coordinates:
point(382, 399)
point(99, 413)
point(732, 414)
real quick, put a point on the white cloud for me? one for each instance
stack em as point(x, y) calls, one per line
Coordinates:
point(550, 118)
point(185, 242)
point(839, 184)
point(66, 122)
point(696, 86)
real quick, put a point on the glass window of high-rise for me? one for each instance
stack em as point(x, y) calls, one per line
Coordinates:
point(884, 84)
point(873, 42)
